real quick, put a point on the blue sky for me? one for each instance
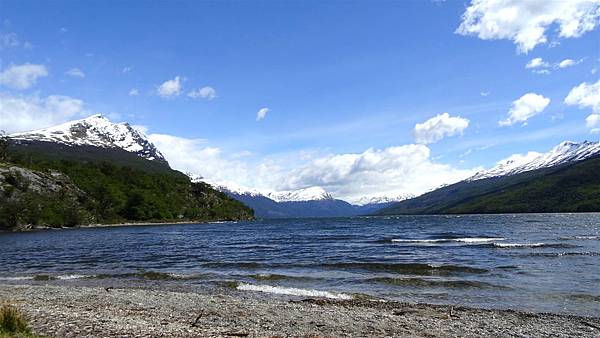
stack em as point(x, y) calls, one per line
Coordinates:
point(337, 77)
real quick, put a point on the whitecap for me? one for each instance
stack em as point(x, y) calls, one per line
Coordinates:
point(17, 278)
point(69, 277)
point(519, 245)
point(446, 240)
point(292, 291)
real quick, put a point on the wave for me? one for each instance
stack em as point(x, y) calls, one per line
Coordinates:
point(70, 277)
point(534, 245)
point(292, 291)
point(563, 254)
point(243, 265)
point(408, 268)
point(147, 275)
point(45, 277)
point(419, 282)
point(588, 237)
point(584, 297)
point(276, 277)
point(16, 278)
point(467, 240)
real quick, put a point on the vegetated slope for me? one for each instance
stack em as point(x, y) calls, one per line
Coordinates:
point(44, 183)
point(573, 187)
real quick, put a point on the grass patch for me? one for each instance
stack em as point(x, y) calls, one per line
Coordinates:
point(13, 324)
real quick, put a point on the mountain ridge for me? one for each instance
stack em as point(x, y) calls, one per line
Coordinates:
point(565, 152)
point(98, 131)
point(565, 179)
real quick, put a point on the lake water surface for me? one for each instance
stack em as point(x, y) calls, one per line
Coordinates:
point(546, 262)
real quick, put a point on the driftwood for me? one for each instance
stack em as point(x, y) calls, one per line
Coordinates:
point(108, 288)
point(195, 323)
point(236, 334)
point(590, 325)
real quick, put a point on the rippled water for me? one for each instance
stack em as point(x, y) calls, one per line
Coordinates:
point(548, 262)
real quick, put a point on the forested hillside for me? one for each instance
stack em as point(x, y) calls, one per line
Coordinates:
point(47, 184)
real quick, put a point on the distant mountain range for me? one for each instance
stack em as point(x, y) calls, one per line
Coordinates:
point(565, 179)
point(309, 202)
point(98, 139)
point(565, 152)
point(538, 176)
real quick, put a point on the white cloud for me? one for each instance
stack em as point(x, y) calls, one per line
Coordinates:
point(196, 156)
point(207, 92)
point(536, 63)
point(485, 94)
point(541, 71)
point(587, 95)
point(593, 122)
point(261, 114)
point(75, 72)
point(526, 22)
point(525, 108)
point(126, 70)
point(9, 40)
point(22, 113)
point(142, 129)
point(170, 88)
point(438, 127)
point(134, 92)
point(389, 171)
point(568, 63)
point(22, 76)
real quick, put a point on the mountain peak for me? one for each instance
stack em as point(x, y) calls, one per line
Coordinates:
point(383, 199)
point(98, 131)
point(564, 152)
point(307, 194)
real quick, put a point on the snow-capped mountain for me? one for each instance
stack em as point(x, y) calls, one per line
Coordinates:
point(306, 194)
point(382, 199)
point(96, 131)
point(565, 152)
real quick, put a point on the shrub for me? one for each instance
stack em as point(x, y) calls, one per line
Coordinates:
point(12, 322)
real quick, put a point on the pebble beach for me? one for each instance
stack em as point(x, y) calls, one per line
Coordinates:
point(80, 311)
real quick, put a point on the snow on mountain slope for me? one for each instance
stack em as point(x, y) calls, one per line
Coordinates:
point(226, 187)
point(306, 194)
point(565, 152)
point(382, 199)
point(97, 131)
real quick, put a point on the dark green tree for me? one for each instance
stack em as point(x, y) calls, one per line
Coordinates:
point(3, 146)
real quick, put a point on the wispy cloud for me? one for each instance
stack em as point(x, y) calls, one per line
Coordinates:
point(22, 76)
point(261, 114)
point(75, 72)
point(22, 113)
point(207, 92)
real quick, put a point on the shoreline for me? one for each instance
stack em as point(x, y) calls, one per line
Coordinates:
point(29, 228)
point(73, 311)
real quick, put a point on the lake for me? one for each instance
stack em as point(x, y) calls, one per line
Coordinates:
point(535, 262)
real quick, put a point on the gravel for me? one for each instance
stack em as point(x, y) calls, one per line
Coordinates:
point(77, 311)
